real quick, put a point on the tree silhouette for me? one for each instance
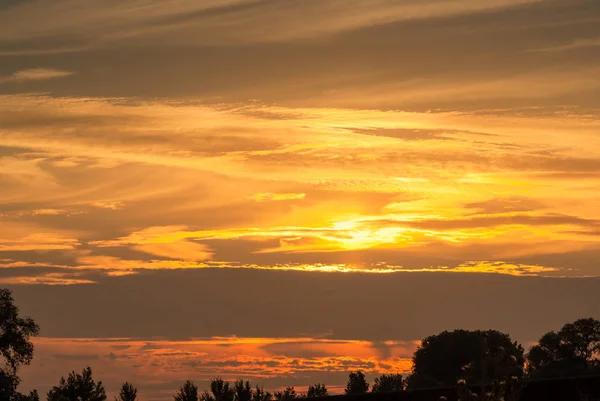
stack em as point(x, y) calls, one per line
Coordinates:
point(318, 390)
point(32, 396)
point(8, 385)
point(475, 356)
point(128, 392)
point(288, 394)
point(387, 383)
point(261, 395)
point(78, 387)
point(187, 392)
point(16, 347)
point(219, 391)
point(357, 384)
point(242, 391)
point(574, 350)
point(15, 334)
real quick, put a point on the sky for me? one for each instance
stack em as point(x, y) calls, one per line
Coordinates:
point(287, 190)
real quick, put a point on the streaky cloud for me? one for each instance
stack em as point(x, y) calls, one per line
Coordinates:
point(35, 74)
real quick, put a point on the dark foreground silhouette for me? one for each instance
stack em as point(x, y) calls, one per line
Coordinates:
point(459, 365)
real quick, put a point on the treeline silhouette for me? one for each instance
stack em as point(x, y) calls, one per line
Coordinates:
point(461, 364)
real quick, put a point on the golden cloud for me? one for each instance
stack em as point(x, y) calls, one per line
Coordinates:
point(269, 196)
point(184, 250)
point(38, 242)
point(340, 181)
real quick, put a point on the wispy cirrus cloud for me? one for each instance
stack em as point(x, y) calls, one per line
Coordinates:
point(208, 22)
point(45, 279)
point(27, 237)
point(574, 45)
point(112, 205)
point(371, 231)
point(269, 196)
point(327, 188)
point(181, 250)
point(35, 74)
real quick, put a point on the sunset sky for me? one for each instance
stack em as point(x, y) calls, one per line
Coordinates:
point(286, 190)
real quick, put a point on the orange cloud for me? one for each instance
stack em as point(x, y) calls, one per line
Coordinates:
point(252, 358)
point(45, 279)
point(26, 237)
